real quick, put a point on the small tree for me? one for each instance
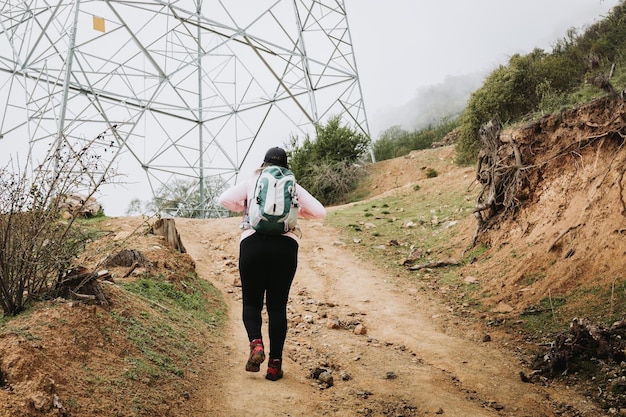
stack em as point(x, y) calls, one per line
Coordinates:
point(37, 246)
point(387, 145)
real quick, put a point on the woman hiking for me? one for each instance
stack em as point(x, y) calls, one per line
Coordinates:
point(268, 260)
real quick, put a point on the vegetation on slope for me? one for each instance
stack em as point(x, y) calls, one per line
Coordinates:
point(579, 68)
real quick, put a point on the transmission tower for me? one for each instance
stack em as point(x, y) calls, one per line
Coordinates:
point(188, 89)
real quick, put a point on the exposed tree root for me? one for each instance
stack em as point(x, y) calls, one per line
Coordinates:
point(504, 168)
point(500, 172)
point(586, 341)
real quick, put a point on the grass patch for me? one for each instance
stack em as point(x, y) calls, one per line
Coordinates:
point(400, 224)
point(475, 253)
point(600, 303)
point(553, 314)
point(162, 334)
point(409, 227)
point(529, 279)
point(194, 302)
point(545, 318)
point(25, 332)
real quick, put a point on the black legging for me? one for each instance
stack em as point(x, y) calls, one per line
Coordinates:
point(267, 265)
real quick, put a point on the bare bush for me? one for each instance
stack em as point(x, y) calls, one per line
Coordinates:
point(37, 245)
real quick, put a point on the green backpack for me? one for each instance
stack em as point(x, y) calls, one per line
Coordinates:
point(274, 206)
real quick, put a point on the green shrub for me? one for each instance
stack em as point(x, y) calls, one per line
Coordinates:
point(331, 181)
point(396, 141)
point(546, 82)
point(387, 145)
point(331, 165)
point(431, 173)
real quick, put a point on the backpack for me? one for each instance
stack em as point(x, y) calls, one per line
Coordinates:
point(274, 206)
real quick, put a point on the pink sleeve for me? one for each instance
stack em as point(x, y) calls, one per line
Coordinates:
point(234, 198)
point(310, 207)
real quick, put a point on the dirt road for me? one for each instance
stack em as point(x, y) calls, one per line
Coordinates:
point(406, 364)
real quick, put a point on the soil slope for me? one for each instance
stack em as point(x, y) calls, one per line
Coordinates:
point(568, 226)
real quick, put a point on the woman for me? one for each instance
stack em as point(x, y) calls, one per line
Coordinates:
point(267, 265)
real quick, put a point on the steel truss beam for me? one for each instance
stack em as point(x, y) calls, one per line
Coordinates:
point(186, 89)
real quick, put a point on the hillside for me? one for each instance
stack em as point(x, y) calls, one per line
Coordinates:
point(448, 340)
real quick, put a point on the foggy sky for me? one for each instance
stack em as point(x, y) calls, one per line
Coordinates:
point(405, 46)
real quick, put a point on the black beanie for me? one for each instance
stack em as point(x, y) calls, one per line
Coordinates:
point(276, 156)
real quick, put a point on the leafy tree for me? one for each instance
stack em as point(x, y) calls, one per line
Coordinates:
point(181, 198)
point(387, 145)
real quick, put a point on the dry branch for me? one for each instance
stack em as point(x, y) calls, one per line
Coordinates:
point(434, 264)
point(586, 342)
point(130, 270)
point(81, 284)
point(83, 297)
point(621, 190)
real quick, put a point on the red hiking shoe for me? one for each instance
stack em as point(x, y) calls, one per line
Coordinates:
point(257, 356)
point(274, 371)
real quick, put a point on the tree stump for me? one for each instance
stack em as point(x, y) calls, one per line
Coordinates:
point(167, 229)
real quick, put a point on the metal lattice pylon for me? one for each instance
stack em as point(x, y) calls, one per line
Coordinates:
point(178, 89)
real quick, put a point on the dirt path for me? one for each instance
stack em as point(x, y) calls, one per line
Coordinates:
point(405, 364)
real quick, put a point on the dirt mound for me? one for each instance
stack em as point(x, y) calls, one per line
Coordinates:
point(70, 358)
